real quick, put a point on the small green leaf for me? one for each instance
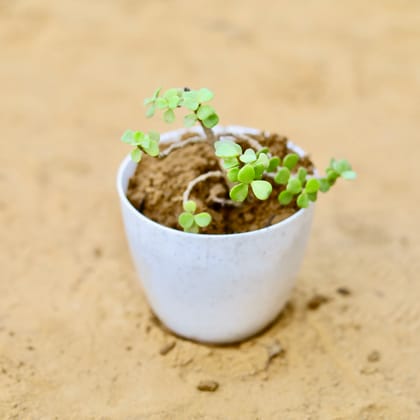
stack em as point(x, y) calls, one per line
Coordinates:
point(128, 137)
point(230, 162)
point(171, 93)
point(154, 136)
point(349, 175)
point(248, 156)
point(261, 189)
point(233, 174)
point(189, 206)
point(153, 98)
point(313, 196)
point(263, 150)
point(211, 121)
point(332, 175)
point(205, 111)
point(282, 176)
point(173, 101)
point(227, 149)
point(136, 155)
point(190, 120)
point(259, 170)
point(302, 200)
point(190, 100)
point(142, 139)
point(291, 160)
point(273, 164)
point(193, 229)
point(152, 149)
point(263, 160)
point(205, 95)
point(246, 174)
point(341, 166)
point(312, 186)
point(294, 186)
point(186, 220)
point(169, 116)
point(202, 219)
point(285, 198)
point(324, 185)
point(302, 172)
point(150, 111)
point(161, 103)
point(239, 192)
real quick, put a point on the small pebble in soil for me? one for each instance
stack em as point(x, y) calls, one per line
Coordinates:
point(316, 301)
point(208, 386)
point(343, 291)
point(374, 356)
point(167, 348)
point(274, 350)
point(30, 348)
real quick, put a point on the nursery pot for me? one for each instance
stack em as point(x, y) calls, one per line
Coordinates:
point(214, 288)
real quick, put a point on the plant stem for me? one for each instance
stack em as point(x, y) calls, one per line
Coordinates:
point(208, 132)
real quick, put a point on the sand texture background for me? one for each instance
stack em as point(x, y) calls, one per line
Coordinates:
point(77, 340)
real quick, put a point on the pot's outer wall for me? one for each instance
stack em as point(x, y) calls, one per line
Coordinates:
point(214, 288)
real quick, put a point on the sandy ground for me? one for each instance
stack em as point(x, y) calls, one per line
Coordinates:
point(77, 340)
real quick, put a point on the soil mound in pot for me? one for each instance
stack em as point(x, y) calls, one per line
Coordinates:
point(157, 186)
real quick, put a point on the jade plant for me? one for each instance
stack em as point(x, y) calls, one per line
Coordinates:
point(253, 171)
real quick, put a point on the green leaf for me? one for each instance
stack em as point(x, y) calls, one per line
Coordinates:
point(341, 166)
point(324, 185)
point(302, 172)
point(291, 160)
point(273, 164)
point(259, 170)
point(246, 174)
point(202, 219)
point(230, 162)
point(294, 186)
point(150, 111)
point(128, 137)
point(248, 156)
point(169, 116)
point(239, 192)
point(173, 102)
point(161, 103)
point(211, 121)
point(205, 95)
point(302, 200)
point(233, 174)
point(153, 98)
point(136, 155)
point(282, 176)
point(189, 206)
point(332, 175)
point(171, 93)
point(186, 220)
point(190, 100)
point(263, 150)
point(313, 196)
point(152, 149)
point(154, 136)
point(285, 197)
point(205, 111)
point(261, 189)
point(193, 229)
point(190, 120)
point(349, 175)
point(312, 186)
point(227, 149)
point(263, 160)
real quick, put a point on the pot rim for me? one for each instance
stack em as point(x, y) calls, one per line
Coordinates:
point(167, 138)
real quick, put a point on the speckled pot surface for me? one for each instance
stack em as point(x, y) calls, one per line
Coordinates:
point(214, 288)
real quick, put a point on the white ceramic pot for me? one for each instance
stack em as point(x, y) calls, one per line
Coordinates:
point(214, 288)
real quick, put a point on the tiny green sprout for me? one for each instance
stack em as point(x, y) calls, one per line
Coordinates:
point(290, 160)
point(191, 222)
point(142, 142)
